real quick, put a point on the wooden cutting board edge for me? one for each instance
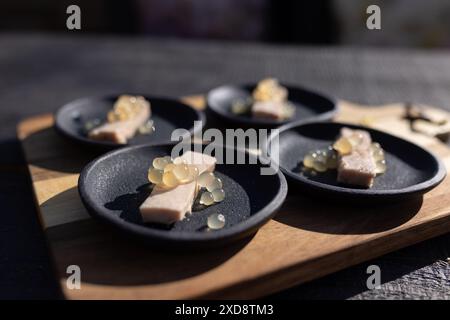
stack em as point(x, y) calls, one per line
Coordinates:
point(290, 275)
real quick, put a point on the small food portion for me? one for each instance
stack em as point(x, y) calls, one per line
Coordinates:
point(268, 101)
point(269, 89)
point(357, 159)
point(130, 114)
point(216, 221)
point(177, 183)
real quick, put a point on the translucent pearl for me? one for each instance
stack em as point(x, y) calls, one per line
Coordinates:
point(320, 166)
point(355, 139)
point(214, 184)
point(147, 127)
point(308, 160)
point(378, 154)
point(343, 146)
point(205, 179)
point(155, 176)
point(207, 198)
point(179, 160)
point(170, 180)
point(168, 159)
point(216, 221)
point(380, 167)
point(321, 156)
point(181, 171)
point(160, 163)
point(192, 174)
point(169, 167)
point(375, 146)
point(218, 195)
point(331, 158)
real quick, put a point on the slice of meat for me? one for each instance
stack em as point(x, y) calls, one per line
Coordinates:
point(359, 167)
point(168, 206)
point(268, 110)
point(122, 131)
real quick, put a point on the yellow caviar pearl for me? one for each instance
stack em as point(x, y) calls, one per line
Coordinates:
point(160, 163)
point(179, 160)
point(218, 195)
point(214, 184)
point(181, 171)
point(343, 146)
point(155, 176)
point(216, 221)
point(205, 178)
point(169, 167)
point(169, 179)
point(308, 160)
point(207, 198)
point(380, 167)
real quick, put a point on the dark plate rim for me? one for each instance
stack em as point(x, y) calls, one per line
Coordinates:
point(422, 187)
point(241, 229)
point(251, 121)
point(84, 140)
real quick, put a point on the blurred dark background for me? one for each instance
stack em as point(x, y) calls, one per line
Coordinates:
point(407, 23)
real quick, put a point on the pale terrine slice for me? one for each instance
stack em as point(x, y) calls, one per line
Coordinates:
point(359, 167)
point(270, 109)
point(167, 206)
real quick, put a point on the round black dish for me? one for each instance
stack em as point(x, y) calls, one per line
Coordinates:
point(113, 186)
point(167, 114)
point(411, 170)
point(309, 105)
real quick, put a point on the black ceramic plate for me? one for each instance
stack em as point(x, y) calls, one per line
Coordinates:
point(411, 170)
point(308, 105)
point(113, 186)
point(167, 115)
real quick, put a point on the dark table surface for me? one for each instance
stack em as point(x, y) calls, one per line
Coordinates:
point(40, 72)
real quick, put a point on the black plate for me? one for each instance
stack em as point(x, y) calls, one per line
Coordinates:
point(113, 186)
point(411, 170)
point(309, 105)
point(167, 115)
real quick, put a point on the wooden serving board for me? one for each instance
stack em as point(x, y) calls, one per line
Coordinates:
point(306, 240)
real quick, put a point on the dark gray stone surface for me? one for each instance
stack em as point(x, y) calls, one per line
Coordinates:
point(39, 72)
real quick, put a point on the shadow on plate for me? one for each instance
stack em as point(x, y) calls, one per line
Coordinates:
point(108, 257)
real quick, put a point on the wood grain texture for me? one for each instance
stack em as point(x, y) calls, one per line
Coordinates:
point(306, 240)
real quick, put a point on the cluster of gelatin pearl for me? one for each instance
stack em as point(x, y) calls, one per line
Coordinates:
point(321, 160)
point(345, 146)
point(378, 155)
point(169, 173)
point(212, 186)
point(126, 107)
